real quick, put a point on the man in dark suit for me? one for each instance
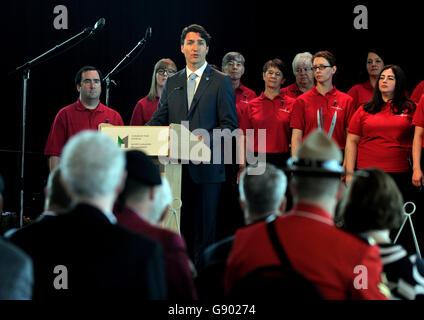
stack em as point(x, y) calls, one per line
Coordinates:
point(84, 253)
point(205, 98)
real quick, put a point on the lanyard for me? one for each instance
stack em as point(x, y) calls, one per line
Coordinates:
point(320, 119)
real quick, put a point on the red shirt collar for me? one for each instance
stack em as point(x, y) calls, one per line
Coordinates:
point(241, 87)
point(264, 97)
point(367, 85)
point(312, 210)
point(332, 92)
point(80, 107)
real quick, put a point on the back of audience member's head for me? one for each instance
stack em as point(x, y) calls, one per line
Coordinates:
point(163, 199)
point(262, 195)
point(58, 199)
point(143, 176)
point(372, 201)
point(316, 167)
point(92, 165)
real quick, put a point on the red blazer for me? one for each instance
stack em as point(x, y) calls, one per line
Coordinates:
point(177, 269)
point(329, 257)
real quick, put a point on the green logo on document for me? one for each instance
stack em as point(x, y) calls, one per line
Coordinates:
point(123, 141)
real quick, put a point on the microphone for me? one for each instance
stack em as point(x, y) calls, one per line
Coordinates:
point(148, 33)
point(98, 26)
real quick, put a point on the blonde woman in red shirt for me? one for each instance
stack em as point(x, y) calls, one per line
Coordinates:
point(146, 107)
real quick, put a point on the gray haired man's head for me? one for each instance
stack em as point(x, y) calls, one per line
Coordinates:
point(262, 194)
point(92, 165)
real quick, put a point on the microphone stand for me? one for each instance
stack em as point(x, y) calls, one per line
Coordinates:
point(108, 80)
point(26, 67)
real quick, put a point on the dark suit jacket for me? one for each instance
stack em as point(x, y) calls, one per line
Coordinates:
point(179, 277)
point(102, 259)
point(213, 107)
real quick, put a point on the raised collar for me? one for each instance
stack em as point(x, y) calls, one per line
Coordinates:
point(264, 97)
point(313, 212)
point(332, 92)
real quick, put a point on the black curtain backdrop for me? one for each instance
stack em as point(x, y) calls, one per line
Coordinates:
point(260, 30)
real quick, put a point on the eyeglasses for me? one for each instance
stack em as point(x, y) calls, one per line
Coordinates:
point(234, 63)
point(320, 67)
point(299, 70)
point(87, 82)
point(277, 73)
point(169, 72)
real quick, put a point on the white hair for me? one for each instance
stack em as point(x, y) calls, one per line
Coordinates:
point(163, 198)
point(301, 58)
point(263, 193)
point(92, 164)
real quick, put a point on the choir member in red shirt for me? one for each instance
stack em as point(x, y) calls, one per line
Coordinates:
point(146, 107)
point(84, 114)
point(380, 132)
point(302, 70)
point(418, 143)
point(233, 65)
point(271, 112)
point(362, 93)
point(418, 92)
point(323, 106)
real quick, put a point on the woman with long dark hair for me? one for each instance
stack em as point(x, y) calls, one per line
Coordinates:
point(380, 132)
point(363, 92)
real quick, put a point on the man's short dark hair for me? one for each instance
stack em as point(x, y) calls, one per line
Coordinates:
point(78, 77)
point(198, 29)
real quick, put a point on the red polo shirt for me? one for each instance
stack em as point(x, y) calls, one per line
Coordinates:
point(74, 118)
point(361, 93)
point(143, 111)
point(304, 115)
point(244, 94)
point(292, 91)
point(386, 139)
point(418, 119)
point(272, 115)
point(418, 92)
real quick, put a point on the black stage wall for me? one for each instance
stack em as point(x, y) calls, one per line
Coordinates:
point(260, 30)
